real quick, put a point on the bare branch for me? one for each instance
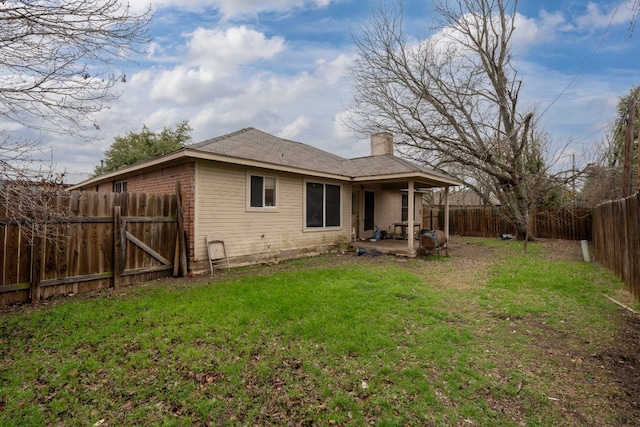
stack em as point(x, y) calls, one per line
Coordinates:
point(57, 61)
point(452, 99)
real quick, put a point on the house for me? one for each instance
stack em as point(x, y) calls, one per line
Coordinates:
point(274, 198)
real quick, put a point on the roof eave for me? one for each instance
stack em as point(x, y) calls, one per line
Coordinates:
point(203, 155)
point(420, 176)
point(187, 153)
point(128, 170)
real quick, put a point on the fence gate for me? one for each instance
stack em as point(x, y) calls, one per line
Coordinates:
point(108, 240)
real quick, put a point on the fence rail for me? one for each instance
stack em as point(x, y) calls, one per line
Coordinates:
point(568, 224)
point(616, 239)
point(105, 240)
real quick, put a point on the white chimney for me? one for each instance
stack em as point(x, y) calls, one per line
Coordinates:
point(381, 144)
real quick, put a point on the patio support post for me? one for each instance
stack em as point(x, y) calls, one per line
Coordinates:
point(446, 217)
point(410, 217)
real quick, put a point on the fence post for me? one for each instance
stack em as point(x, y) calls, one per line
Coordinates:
point(36, 268)
point(180, 239)
point(117, 246)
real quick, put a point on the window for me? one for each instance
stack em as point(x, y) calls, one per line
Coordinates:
point(405, 207)
point(323, 205)
point(120, 187)
point(262, 192)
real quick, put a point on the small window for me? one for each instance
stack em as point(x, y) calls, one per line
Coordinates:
point(262, 192)
point(120, 187)
point(405, 207)
point(269, 192)
point(323, 205)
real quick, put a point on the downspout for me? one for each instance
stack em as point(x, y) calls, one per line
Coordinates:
point(410, 218)
point(446, 217)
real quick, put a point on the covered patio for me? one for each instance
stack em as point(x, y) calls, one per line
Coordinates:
point(387, 205)
point(387, 197)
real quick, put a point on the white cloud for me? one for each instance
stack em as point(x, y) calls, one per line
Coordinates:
point(163, 117)
point(233, 78)
point(293, 129)
point(231, 8)
point(598, 17)
point(10, 127)
point(210, 68)
point(183, 85)
point(550, 25)
point(226, 49)
point(530, 31)
point(527, 31)
point(334, 70)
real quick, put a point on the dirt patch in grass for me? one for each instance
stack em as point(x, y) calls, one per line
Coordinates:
point(620, 363)
point(612, 370)
point(595, 383)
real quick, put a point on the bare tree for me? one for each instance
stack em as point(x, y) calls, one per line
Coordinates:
point(56, 70)
point(635, 11)
point(56, 57)
point(452, 100)
point(28, 190)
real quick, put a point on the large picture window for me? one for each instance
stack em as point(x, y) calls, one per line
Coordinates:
point(323, 205)
point(262, 192)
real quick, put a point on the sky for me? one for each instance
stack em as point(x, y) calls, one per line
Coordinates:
point(282, 66)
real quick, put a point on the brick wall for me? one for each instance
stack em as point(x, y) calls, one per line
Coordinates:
point(163, 181)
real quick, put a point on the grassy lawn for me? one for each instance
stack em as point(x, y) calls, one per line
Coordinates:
point(506, 340)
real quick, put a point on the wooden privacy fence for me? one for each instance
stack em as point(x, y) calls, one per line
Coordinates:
point(568, 224)
point(105, 240)
point(616, 239)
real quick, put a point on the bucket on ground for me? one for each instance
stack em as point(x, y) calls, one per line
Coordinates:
point(585, 250)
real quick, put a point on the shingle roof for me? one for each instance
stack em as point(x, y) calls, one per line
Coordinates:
point(73, 178)
point(385, 164)
point(251, 143)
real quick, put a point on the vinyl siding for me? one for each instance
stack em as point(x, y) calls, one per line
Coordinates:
point(388, 209)
point(268, 235)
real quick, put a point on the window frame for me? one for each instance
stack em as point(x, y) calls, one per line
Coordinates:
point(122, 184)
point(324, 206)
point(404, 207)
point(250, 193)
